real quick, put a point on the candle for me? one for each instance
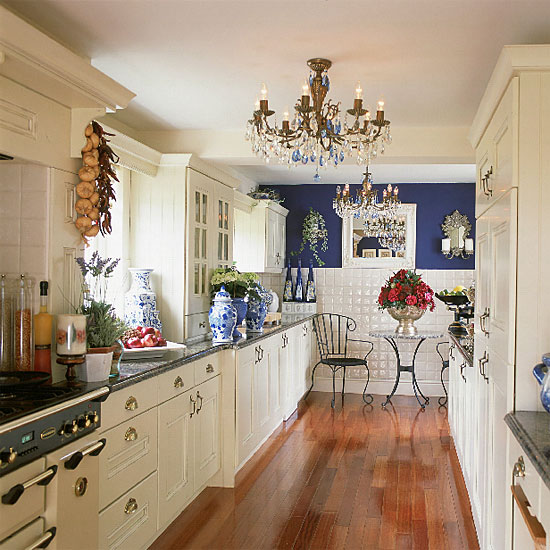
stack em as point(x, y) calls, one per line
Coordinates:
point(263, 91)
point(469, 245)
point(257, 105)
point(286, 115)
point(358, 91)
point(445, 245)
point(70, 334)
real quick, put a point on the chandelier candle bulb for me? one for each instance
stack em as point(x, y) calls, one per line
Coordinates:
point(257, 105)
point(358, 91)
point(380, 112)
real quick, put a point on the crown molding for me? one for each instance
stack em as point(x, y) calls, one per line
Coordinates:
point(512, 61)
point(35, 60)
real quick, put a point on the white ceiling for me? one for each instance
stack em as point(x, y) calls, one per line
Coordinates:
point(199, 64)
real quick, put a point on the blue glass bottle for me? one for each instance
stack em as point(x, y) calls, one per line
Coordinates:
point(288, 293)
point(299, 292)
point(311, 294)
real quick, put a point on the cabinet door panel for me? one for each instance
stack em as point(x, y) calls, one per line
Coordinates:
point(176, 484)
point(276, 380)
point(273, 239)
point(246, 440)
point(262, 393)
point(207, 432)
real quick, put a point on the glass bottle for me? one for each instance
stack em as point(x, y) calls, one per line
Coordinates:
point(311, 294)
point(43, 333)
point(23, 352)
point(6, 334)
point(288, 292)
point(299, 292)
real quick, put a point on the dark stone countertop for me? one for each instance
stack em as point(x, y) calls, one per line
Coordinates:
point(464, 346)
point(532, 431)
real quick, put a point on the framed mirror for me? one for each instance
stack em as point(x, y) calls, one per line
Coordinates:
point(456, 227)
point(361, 251)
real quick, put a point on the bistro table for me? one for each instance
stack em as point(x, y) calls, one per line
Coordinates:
point(392, 338)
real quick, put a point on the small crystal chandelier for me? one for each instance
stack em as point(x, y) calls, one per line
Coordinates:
point(365, 204)
point(317, 134)
point(389, 229)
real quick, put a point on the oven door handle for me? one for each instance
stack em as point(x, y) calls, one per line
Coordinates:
point(13, 495)
point(92, 450)
point(44, 540)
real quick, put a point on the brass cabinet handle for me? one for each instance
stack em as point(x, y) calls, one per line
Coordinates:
point(194, 406)
point(199, 396)
point(131, 404)
point(209, 368)
point(451, 351)
point(202, 324)
point(482, 362)
point(462, 367)
point(131, 506)
point(536, 530)
point(482, 319)
point(178, 382)
point(131, 434)
point(519, 468)
point(487, 191)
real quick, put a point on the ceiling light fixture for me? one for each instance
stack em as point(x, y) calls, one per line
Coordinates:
point(317, 134)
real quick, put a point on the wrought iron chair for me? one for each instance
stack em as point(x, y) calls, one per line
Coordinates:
point(444, 365)
point(333, 336)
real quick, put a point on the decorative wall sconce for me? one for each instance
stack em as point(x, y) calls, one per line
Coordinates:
point(456, 228)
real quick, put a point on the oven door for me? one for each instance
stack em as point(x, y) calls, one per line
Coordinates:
point(31, 537)
point(72, 499)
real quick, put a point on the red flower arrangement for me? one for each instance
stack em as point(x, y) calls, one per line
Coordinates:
point(406, 288)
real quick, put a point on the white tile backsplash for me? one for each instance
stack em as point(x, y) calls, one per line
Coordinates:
point(354, 292)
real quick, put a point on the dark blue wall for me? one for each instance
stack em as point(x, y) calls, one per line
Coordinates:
point(434, 201)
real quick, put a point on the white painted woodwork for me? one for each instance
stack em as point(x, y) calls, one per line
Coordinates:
point(175, 382)
point(260, 237)
point(207, 368)
point(206, 427)
point(246, 437)
point(129, 402)
point(66, 510)
point(129, 455)
point(121, 529)
point(176, 452)
point(30, 503)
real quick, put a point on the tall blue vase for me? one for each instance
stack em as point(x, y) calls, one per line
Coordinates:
point(255, 316)
point(241, 307)
point(140, 307)
point(222, 317)
point(299, 294)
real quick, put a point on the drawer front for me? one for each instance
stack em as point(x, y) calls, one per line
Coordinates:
point(131, 521)
point(207, 368)
point(29, 505)
point(129, 456)
point(26, 537)
point(128, 402)
point(176, 382)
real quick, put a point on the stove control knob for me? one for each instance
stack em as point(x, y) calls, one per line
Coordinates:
point(70, 428)
point(8, 457)
point(84, 422)
point(93, 417)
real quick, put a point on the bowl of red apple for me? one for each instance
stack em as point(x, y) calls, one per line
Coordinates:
point(140, 342)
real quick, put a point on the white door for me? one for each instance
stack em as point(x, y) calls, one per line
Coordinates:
point(176, 484)
point(272, 240)
point(207, 431)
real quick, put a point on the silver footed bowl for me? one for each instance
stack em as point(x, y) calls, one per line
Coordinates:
point(406, 317)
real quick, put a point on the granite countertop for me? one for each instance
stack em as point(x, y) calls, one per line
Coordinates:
point(532, 431)
point(132, 372)
point(465, 346)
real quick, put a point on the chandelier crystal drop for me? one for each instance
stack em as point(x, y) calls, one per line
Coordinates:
point(317, 132)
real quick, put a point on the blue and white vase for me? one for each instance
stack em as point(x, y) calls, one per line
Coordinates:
point(222, 317)
point(241, 308)
point(255, 316)
point(141, 302)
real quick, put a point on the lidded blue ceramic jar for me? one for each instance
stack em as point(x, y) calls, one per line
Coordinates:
point(222, 317)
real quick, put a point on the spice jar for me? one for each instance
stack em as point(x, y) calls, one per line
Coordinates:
point(6, 334)
point(23, 349)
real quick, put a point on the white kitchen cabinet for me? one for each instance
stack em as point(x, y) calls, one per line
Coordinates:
point(260, 236)
point(176, 472)
point(189, 446)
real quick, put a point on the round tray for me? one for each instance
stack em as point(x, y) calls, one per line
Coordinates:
point(453, 300)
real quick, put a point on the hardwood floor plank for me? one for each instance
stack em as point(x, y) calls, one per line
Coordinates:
point(354, 478)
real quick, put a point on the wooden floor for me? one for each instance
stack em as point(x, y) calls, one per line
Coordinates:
point(358, 477)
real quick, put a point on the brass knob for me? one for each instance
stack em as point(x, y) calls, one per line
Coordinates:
point(131, 506)
point(131, 404)
point(131, 434)
point(519, 468)
point(80, 486)
point(178, 382)
point(209, 368)
point(93, 417)
point(8, 457)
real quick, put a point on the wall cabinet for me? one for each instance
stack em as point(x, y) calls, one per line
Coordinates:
point(260, 235)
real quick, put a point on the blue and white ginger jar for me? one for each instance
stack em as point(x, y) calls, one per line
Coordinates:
point(140, 305)
point(222, 317)
point(257, 311)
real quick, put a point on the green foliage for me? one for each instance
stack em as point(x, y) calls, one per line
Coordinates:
point(103, 327)
point(314, 232)
point(238, 284)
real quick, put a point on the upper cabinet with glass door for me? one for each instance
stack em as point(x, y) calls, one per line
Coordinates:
point(223, 248)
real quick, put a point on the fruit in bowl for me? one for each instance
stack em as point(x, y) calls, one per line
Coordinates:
point(143, 337)
point(457, 291)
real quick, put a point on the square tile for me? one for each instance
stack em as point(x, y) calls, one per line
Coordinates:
point(34, 177)
point(34, 205)
point(10, 177)
point(9, 232)
point(33, 233)
point(10, 204)
point(9, 259)
point(33, 259)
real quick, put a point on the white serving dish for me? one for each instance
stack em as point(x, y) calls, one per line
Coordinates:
point(150, 353)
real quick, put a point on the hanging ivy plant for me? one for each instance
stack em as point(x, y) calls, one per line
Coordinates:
point(314, 233)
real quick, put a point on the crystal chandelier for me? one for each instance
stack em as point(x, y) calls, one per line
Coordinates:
point(389, 229)
point(317, 134)
point(365, 204)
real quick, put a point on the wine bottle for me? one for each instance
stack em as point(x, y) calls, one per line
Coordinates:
point(43, 333)
point(289, 291)
point(311, 294)
point(299, 292)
